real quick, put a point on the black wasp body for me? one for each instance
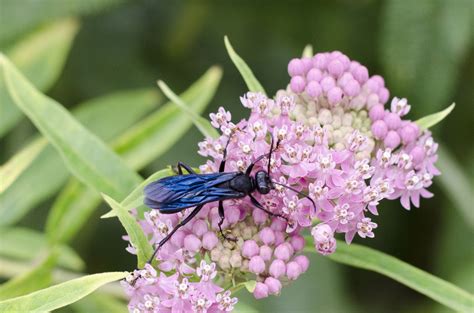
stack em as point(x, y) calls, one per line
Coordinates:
point(175, 193)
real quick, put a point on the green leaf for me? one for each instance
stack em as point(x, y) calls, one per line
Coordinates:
point(252, 83)
point(433, 119)
point(40, 57)
point(160, 131)
point(59, 295)
point(48, 164)
point(422, 47)
point(36, 278)
point(99, 303)
point(86, 156)
point(412, 277)
point(70, 211)
point(455, 184)
point(249, 285)
point(201, 123)
point(242, 307)
point(308, 51)
point(25, 244)
point(10, 269)
point(134, 231)
point(21, 16)
point(19, 162)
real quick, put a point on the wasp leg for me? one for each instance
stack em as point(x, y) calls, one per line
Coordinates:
point(261, 207)
point(180, 166)
point(221, 214)
point(180, 224)
point(224, 158)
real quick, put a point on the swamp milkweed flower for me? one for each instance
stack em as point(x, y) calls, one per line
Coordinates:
point(338, 143)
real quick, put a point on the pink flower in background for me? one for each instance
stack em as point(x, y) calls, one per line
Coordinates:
point(337, 143)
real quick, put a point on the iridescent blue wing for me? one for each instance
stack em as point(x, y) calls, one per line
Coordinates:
point(176, 193)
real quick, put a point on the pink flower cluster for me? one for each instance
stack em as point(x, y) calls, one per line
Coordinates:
point(175, 292)
point(337, 143)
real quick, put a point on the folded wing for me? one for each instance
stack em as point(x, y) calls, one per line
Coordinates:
point(176, 193)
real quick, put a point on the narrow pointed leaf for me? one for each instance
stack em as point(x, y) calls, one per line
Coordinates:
point(201, 123)
point(86, 156)
point(134, 231)
point(308, 51)
point(40, 57)
point(250, 285)
point(412, 277)
point(18, 163)
point(252, 83)
point(433, 119)
point(121, 115)
point(60, 295)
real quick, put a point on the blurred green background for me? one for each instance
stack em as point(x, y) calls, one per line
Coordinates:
point(424, 50)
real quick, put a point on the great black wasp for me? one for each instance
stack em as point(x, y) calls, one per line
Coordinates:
point(175, 193)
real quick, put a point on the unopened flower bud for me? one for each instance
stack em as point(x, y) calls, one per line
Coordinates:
point(377, 112)
point(392, 140)
point(199, 227)
point(267, 236)
point(297, 242)
point(250, 249)
point(266, 253)
point(295, 67)
point(277, 268)
point(297, 84)
point(192, 243)
point(379, 129)
point(274, 285)
point(392, 120)
point(261, 291)
point(209, 240)
point(293, 270)
point(257, 264)
point(303, 262)
point(282, 252)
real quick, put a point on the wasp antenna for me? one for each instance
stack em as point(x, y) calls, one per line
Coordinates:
point(270, 156)
point(298, 192)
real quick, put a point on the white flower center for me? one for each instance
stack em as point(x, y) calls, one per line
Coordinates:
point(246, 149)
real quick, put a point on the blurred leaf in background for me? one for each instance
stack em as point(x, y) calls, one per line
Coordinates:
point(19, 17)
point(422, 45)
point(48, 164)
point(41, 57)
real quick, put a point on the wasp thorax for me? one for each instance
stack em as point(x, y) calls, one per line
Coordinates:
point(263, 182)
